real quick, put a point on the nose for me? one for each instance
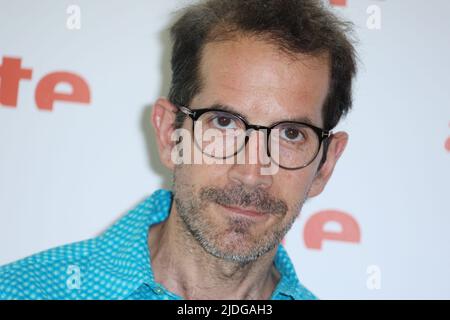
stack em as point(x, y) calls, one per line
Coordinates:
point(249, 163)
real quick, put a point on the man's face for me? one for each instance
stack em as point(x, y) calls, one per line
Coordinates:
point(267, 86)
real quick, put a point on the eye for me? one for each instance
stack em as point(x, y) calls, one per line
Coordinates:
point(224, 122)
point(292, 134)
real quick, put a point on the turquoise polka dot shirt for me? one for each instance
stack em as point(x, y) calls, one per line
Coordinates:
point(114, 265)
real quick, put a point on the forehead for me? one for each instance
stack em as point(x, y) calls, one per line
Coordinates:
point(261, 82)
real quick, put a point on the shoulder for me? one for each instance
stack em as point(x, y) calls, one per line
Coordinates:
point(45, 275)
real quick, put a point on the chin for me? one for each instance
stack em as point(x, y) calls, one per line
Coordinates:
point(236, 247)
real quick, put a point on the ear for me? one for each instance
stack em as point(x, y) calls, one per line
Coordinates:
point(335, 149)
point(163, 119)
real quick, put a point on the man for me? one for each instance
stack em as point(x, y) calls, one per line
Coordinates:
point(270, 75)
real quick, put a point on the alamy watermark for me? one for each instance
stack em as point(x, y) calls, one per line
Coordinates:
point(73, 282)
point(214, 146)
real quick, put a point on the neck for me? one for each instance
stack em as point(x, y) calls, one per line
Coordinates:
point(182, 266)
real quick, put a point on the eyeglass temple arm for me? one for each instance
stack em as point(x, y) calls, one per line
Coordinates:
point(186, 110)
point(326, 134)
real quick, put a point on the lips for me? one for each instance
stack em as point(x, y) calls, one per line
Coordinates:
point(251, 212)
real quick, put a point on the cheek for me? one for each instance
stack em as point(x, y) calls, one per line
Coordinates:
point(205, 175)
point(292, 186)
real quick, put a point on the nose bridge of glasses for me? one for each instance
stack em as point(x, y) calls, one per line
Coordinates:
point(256, 149)
point(251, 127)
point(255, 146)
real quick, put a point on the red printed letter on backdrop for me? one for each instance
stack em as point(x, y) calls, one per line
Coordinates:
point(314, 233)
point(11, 73)
point(46, 95)
point(342, 3)
point(447, 142)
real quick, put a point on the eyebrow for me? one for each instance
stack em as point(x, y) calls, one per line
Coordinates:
point(227, 108)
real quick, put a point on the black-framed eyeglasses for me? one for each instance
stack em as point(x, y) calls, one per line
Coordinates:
point(291, 145)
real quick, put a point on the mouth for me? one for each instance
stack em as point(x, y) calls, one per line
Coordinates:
point(248, 212)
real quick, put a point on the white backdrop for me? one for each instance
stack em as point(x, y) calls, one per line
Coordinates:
point(67, 173)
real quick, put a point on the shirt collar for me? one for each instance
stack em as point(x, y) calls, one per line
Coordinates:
point(124, 257)
point(289, 284)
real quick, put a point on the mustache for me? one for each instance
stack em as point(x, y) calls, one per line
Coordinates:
point(259, 199)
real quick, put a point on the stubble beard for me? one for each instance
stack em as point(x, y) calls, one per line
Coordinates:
point(232, 241)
